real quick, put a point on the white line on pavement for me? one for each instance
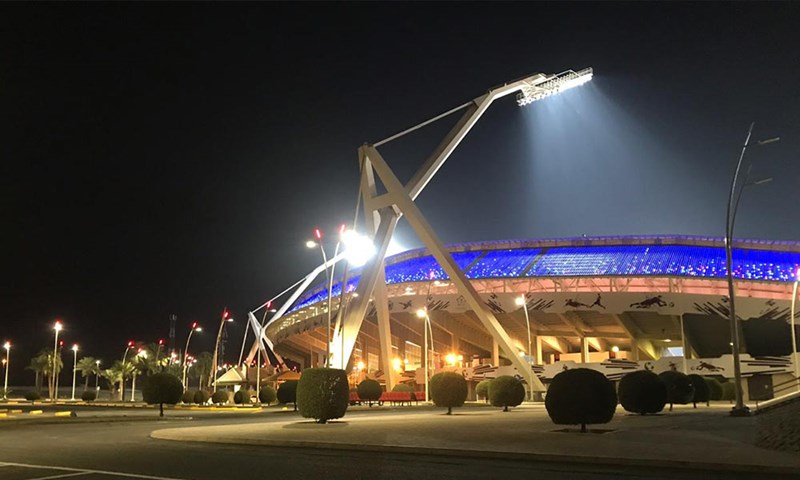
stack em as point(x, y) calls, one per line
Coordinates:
point(81, 471)
point(63, 475)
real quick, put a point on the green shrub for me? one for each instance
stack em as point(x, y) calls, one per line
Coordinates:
point(642, 392)
point(89, 396)
point(580, 396)
point(369, 391)
point(267, 395)
point(188, 396)
point(728, 391)
point(287, 393)
point(714, 389)
point(242, 397)
point(448, 389)
point(482, 390)
point(201, 397)
point(33, 395)
point(220, 397)
point(506, 391)
point(402, 387)
point(679, 388)
point(701, 392)
point(161, 388)
point(322, 394)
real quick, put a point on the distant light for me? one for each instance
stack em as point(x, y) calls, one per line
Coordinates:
point(161, 341)
point(615, 349)
point(198, 329)
point(318, 233)
point(521, 353)
point(58, 327)
point(358, 248)
point(553, 85)
point(520, 301)
point(342, 229)
point(667, 340)
point(130, 344)
point(311, 244)
point(421, 313)
point(142, 354)
point(7, 345)
point(360, 365)
point(75, 348)
point(451, 358)
point(97, 362)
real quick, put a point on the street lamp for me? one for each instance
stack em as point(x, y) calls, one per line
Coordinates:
point(795, 363)
point(74, 368)
point(520, 301)
point(57, 327)
point(142, 353)
point(122, 373)
point(195, 328)
point(740, 409)
point(423, 313)
point(97, 376)
point(224, 319)
point(158, 352)
point(329, 278)
point(6, 363)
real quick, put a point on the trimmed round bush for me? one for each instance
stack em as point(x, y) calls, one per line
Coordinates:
point(33, 395)
point(89, 396)
point(448, 389)
point(242, 397)
point(714, 388)
point(701, 392)
point(369, 391)
point(580, 396)
point(679, 388)
point(728, 391)
point(267, 395)
point(287, 393)
point(323, 394)
point(161, 388)
point(506, 391)
point(201, 397)
point(642, 392)
point(220, 397)
point(482, 389)
point(402, 387)
point(188, 396)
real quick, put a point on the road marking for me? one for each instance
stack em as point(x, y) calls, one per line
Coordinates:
point(83, 471)
point(63, 475)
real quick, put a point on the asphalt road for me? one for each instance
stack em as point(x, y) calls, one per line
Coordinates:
point(106, 450)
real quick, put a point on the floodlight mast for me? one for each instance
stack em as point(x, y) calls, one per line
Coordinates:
point(382, 211)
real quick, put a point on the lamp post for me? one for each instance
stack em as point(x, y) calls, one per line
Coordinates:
point(57, 327)
point(329, 278)
point(141, 354)
point(195, 328)
point(97, 376)
point(122, 373)
point(521, 302)
point(6, 362)
point(158, 352)
point(224, 319)
point(74, 368)
point(423, 313)
point(795, 363)
point(740, 409)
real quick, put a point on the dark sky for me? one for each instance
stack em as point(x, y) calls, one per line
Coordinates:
point(173, 159)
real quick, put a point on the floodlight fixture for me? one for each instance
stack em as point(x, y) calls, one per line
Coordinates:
point(538, 88)
point(358, 248)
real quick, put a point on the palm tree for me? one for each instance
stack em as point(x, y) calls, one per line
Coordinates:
point(42, 364)
point(88, 367)
point(203, 366)
point(118, 373)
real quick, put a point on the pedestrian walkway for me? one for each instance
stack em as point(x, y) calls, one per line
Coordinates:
point(702, 438)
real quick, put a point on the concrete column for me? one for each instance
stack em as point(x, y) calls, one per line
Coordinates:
point(538, 349)
point(495, 354)
point(686, 349)
point(584, 350)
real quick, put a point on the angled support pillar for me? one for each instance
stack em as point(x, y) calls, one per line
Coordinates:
point(425, 232)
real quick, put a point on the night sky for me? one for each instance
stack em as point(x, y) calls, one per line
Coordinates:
point(174, 159)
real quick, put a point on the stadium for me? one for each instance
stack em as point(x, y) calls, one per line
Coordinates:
point(614, 304)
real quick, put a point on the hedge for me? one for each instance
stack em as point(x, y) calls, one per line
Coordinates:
point(506, 391)
point(448, 389)
point(242, 397)
point(267, 395)
point(287, 392)
point(714, 389)
point(679, 388)
point(482, 390)
point(323, 394)
point(701, 391)
point(33, 395)
point(89, 396)
point(201, 397)
point(220, 397)
point(580, 396)
point(642, 392)
point(402, 387)
point(188, 396)
point(369, 391)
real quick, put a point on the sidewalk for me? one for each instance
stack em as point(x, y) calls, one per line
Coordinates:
point(705, 438)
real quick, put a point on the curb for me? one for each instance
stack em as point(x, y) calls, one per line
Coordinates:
point(583, 460)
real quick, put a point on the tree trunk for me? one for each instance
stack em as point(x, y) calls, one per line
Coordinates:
point(695, 404)
point(449, 410)
point(583, 428)
point(670, 407)
point(160, 409)
point(86, 385)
